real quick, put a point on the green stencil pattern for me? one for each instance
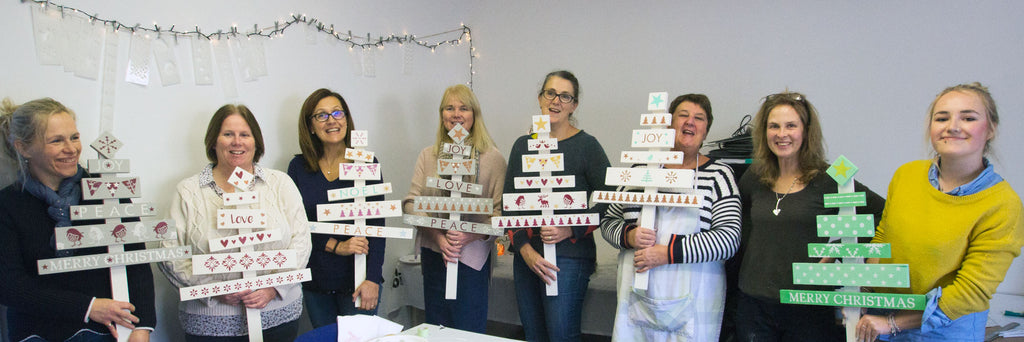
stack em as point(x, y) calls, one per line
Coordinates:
point(874, 275)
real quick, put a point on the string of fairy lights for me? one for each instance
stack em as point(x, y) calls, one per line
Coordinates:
point(280, 26)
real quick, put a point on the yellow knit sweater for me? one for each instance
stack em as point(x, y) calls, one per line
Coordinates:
point(963, 244)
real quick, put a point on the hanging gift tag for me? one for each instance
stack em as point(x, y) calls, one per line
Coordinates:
point(310, 32)
point(238, 52)
point(369, 62)
point(138, 59)
point(90, 49)
point(222, 55)
point(256, 54)
point(407, 56)
point(166, 63)
point(45, 28)
point(202, 61)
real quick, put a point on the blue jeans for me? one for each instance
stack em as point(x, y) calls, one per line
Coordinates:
point(469, 310)
point(81, 336)
point(324, 308)
point(764, 321)
point(555, 318)
point(282, 333)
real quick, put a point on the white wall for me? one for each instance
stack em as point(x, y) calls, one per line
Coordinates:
point(870, 68)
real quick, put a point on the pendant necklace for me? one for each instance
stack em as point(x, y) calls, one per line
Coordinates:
point(778, 198)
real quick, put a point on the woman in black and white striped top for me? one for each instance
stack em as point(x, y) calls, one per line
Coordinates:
point(686, 249)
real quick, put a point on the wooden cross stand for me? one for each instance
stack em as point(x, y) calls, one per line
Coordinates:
point(358, 193)
point(658, 139)
point(544, 162)
point(248, 261)
point(114, 233)
point(454, 205)
point(853, 272)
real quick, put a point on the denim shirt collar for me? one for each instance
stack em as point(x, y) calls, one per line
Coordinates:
point(985, 180)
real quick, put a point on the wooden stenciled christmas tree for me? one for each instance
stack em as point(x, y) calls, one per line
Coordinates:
point(544, 162)
point(247, 261)
point(114, 233)
point(852, 273)
point(454, 205)
point(651, 177)
point(359, 210)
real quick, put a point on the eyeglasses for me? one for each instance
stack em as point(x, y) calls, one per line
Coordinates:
point(322, 117)
point(550, 94)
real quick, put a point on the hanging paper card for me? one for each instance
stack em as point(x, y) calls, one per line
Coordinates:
point(359, 155)
point(105, 211)
point(108, 260)
point(360, 138)
point(652, 157)
point(241, 218)
point(109, 84)
point(849, 250)
point(656, 120)
point(351, 171)
point(90, 50)
point(462, 226)
point(240, 178)
point(541, 124)
point(453, 205)
point(227, 75)
point(244, 240)
point(876, 275)
point(357, 230)
point(113, 234)
point(407, 58)
point(358, 191)
point(354, 211)
point(166, 63)
point(114, 187)
point(852, 199)
point(545, 201)
point(545, 220)
point(48, 34)
point(254, 283)
point(543, 162)
point(456, 167)
point(846, 225)
point(457, 149)
point(202, 61)
point(855, 299)
point(369, 62)
point(542, 144)
point(653, 138)
point(102, 166)
point(241, 62)
point(138, 60)
point(545, 182)
point(240, 198)
point(458, 134)
point(243, 261)
point(655, 199)
point(662, 178)
point(256, 56)
point(107, 145)
point(450, 185)
point(657, 101)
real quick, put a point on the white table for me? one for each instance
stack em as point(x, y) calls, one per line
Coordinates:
point(438, 333)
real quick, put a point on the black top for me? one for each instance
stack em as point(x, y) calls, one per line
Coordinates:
point(585, 159)
point(771, 244)
point(332, 272)
point(54, 306)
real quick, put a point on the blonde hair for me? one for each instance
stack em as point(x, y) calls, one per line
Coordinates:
point(479, 139)
point(25, 123)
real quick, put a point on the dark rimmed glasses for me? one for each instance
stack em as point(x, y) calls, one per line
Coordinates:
point(550, 94)
point(322, 117)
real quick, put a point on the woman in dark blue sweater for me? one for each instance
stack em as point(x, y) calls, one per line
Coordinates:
point(325, 127)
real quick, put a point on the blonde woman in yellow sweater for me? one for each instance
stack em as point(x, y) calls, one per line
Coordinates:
point(955, 221)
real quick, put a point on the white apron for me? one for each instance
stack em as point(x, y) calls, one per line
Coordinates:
point(683, 302)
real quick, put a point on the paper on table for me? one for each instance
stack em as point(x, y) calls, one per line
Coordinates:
point(361, 328)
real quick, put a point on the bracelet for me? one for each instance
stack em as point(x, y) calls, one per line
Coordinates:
point(335, 249)
point(893, 328)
